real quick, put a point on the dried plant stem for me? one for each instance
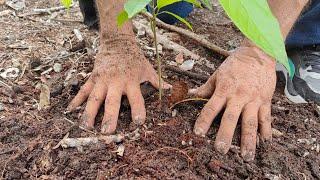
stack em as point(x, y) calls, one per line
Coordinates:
point(153, 27)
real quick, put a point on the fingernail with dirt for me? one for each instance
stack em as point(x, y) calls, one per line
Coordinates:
point(70, 107)
point(199, 132)
point(192, 91)
point(247, 156)
point(221, 147)
point(105, 128)
point(138, 120)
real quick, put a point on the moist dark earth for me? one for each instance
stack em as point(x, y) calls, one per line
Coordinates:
point(165, 147)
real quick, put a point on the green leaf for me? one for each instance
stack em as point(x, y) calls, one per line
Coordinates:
point(164, 3)
point(122, 18)
point(255, 20)
point(179, 18)
point(132, 7)
point(66, 3)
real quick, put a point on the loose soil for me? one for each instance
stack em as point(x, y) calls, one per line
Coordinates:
point(165, 147)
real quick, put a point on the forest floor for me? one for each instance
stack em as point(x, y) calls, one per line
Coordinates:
point(43, 54)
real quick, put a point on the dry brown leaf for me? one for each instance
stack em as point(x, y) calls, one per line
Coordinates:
point(44, 96)
point(179, 58)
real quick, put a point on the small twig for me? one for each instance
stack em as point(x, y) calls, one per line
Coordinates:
point(165, 41)
point(50, 10)
point(175, 149)
point(187, 73)
point(78, 34)
point(8, 151)
point(188, 100)
point(80, 127)
point(198, 38)
point(5, 85)
point(4, 168)
point(68, 20)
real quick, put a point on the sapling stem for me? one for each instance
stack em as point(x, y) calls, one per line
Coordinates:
point(153, 27)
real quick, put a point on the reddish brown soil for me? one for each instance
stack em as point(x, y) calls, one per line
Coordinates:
point(165, 147)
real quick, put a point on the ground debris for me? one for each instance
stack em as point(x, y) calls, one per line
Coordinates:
point(44, 101)
point(87, 141)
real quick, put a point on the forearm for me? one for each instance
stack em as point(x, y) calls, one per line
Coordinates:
point(109, 30)
point(287, 12)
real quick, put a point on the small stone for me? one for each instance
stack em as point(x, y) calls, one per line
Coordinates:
point(187, 65)
point(276, 133)
point(120, 150)
point(1, 107)
point(272, 177)
point(183, 143)
point(57, 67)
point(174, 113)
point(306, 154)
point(10, 100)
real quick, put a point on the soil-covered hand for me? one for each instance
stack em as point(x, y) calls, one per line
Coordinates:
point(118, 70)
point(244, 84)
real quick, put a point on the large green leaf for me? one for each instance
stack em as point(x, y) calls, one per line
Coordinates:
point(163, 3)
point(132, 7)
point(255, 20)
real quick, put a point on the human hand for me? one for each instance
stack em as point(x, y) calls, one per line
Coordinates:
point(244, 84)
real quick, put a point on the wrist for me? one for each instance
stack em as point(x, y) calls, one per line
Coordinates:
point(253, 54)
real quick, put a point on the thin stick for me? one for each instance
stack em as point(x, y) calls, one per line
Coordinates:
point(50, 10)
point(199, 39)
point(80, 127)
point(175, 149)
point(153, 27)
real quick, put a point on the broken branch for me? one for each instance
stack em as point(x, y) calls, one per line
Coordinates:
point(198, 38)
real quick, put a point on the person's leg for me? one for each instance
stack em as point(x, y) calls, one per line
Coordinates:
point(306, 31)
point(89, 12)
point(303, 45)
point(182, 9)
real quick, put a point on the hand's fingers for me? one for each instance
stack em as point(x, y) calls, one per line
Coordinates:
point(208, 113)
point(111, 112)
point(228, 125)
point(81, 96)
point(249, 127)
point(153, 78)
point(136, 101)
point(94, 102)
point(265, 122)
point(205, 90)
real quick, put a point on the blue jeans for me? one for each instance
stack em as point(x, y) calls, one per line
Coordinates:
point(306, 31)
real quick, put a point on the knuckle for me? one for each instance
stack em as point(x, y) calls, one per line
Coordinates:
point(251, 123)
point(94, 98)
point(231, 117)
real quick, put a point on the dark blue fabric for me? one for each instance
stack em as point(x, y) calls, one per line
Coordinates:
point(182, 9)
point(306, 31)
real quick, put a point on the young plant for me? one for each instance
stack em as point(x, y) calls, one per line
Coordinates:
point(133, 7)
